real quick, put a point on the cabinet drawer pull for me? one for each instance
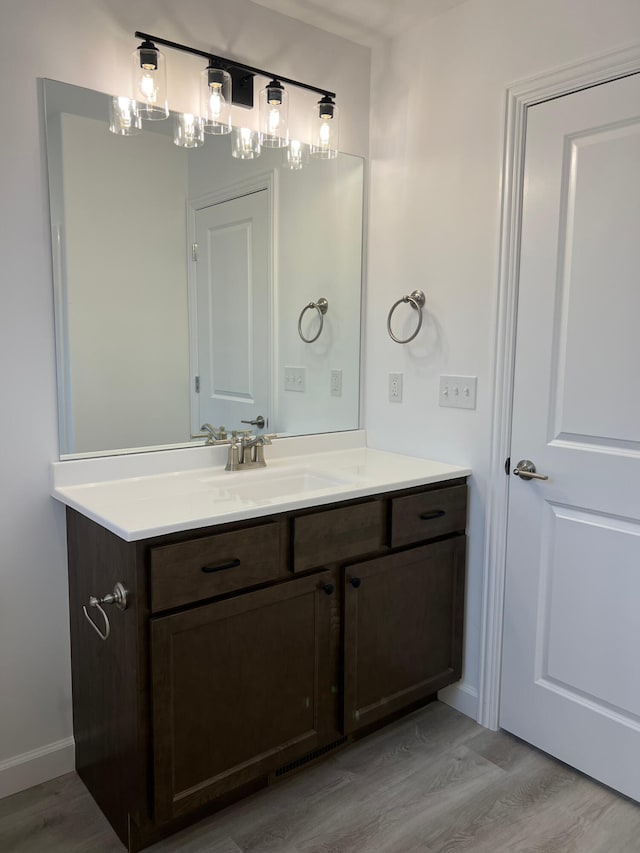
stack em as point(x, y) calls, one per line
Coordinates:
point(327, 588)
point(232, 564)
point(429, 516)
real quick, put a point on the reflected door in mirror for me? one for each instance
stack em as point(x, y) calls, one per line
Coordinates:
point(233, 307)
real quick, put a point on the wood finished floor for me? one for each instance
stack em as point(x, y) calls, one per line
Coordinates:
point(434, 782)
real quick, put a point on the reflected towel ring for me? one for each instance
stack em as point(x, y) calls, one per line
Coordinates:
point(321, 307)
point(416, 300)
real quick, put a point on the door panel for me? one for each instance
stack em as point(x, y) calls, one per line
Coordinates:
point(233, 310)
point(571, 673)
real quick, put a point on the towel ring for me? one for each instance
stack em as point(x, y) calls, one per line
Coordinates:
point(416, 300)
point(321, 307)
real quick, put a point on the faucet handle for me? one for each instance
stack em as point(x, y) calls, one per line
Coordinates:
point(241, 433)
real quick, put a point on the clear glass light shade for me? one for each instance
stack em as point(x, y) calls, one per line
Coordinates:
point(215, 100)
point(245, 143)
point(124, 118)
point(325, 130)
point(149, 82)
point(274, 115)
point(296, 155)
point(188, 130)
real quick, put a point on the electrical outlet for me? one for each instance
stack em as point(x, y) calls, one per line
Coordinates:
point(395, 387)
point(336, 383)
point(295, 378)
point(458, 392)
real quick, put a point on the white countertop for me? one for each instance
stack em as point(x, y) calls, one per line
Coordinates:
point(142, 497)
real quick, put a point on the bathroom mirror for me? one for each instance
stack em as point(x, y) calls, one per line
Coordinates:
point(188, 283)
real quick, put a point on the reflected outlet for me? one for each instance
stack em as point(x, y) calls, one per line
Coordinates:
point(395, 387)
point(336, 383)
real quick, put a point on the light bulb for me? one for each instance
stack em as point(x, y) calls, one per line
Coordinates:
point(188, 131)
point(215, 100)
point(124, 106)
point(245, 138)
point(296, 156)
point(124, 117)
point(324, 133)
point(148, 87)
point(245, 143)
point(149, 82)
point(274, 113)
point(274, 121)
point(325, 129)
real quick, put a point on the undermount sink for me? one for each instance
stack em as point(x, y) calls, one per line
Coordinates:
point(266, 485)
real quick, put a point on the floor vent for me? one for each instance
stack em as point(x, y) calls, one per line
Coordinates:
point(310, 756)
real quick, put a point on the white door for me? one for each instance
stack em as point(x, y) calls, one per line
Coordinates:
point(571, 643)
point(233, 283)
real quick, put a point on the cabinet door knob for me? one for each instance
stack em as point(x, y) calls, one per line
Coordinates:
point(355, 582)
point(327, 588)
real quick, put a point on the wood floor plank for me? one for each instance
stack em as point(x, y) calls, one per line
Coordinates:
point(433, 782)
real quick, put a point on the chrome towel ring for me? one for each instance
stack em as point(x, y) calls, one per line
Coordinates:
point(321, 307)
point(416, 300)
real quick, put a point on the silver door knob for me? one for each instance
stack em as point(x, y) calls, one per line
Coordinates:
point(526, 470)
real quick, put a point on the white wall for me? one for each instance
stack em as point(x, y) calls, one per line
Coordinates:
point(125, 287)
point(438, 96)
point(87, 44)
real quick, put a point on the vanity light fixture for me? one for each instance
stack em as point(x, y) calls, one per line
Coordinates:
point(149, 81)
point(296, 155)
point(274, 115)
point(224, 82)
point(188, 130)
point(124, 117)
point(324, 143)
point(245, 143)
point(215, 99)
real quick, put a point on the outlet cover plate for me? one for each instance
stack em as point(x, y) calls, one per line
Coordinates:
point(336, 383)
point(458, 392)
point(395, 387)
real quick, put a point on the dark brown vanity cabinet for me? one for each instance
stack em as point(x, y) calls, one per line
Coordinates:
point(249, 649)
point(240, 687)
point(402, 629)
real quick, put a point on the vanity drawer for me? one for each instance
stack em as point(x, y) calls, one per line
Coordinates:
point(337, 534)
point(203, 568)
point(426, 515)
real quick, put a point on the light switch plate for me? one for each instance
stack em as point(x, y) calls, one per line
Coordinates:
point(295, 378)
point(458, 392)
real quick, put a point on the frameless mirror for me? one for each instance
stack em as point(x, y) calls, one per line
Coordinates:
point(192, 287)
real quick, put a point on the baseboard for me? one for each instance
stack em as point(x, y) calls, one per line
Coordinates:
point(39, 765)
point(462, 697)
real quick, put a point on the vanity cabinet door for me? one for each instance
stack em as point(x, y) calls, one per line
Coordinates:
point(241, 687)
point(403, 629)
